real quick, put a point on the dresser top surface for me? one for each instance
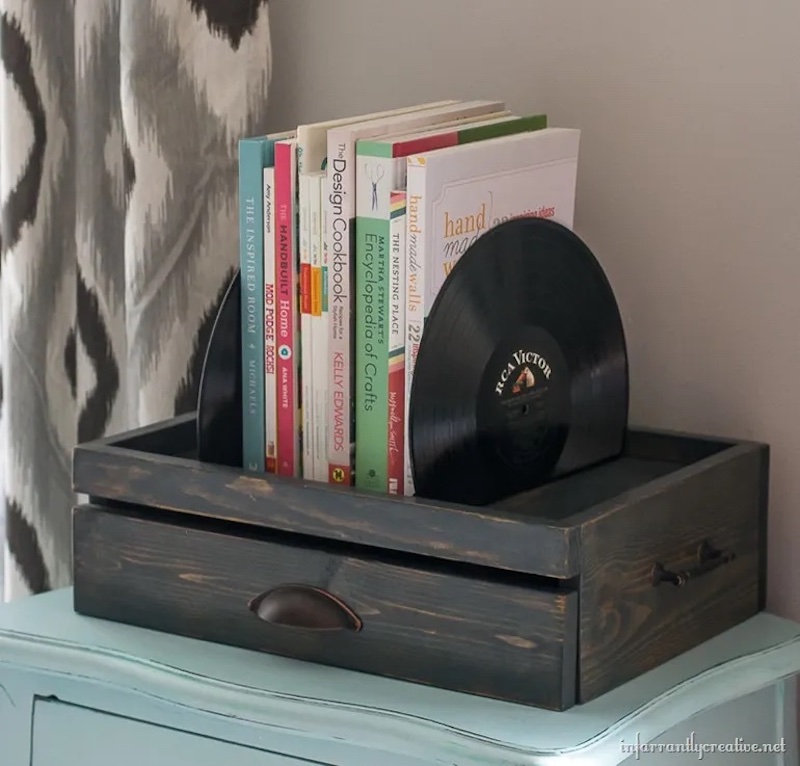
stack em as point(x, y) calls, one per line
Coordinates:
point(44, 632)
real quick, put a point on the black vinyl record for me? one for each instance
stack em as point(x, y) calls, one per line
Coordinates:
point(522, 374)
point(219, 397)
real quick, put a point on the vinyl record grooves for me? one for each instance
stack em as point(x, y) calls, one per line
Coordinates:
point(522, 372)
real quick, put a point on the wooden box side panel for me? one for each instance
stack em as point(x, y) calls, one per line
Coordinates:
point(628, 625)
point(500, 639)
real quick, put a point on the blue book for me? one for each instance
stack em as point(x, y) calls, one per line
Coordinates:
point(252, 157)
point(255, 154)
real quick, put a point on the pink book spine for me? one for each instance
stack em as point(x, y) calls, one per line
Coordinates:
point(287, 319)
point(397, 321)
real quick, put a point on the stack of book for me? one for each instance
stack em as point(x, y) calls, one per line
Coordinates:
point(348, 229)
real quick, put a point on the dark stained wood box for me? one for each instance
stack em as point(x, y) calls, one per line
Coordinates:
point(549, 599)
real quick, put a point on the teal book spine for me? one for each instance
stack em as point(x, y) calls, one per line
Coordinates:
point(253, 156)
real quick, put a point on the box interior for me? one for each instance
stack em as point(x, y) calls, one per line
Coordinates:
point(647, 456)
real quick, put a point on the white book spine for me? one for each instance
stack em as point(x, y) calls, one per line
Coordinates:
point(306, 340)
point(270, 379)
point(319, 330)
point(340, 201)
point(415, 291)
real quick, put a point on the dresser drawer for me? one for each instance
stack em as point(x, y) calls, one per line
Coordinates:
point(470, 629)
point(69, 735)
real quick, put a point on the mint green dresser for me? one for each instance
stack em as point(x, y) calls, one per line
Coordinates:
point(76, 691)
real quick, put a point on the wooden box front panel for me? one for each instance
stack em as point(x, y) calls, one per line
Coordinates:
point(461, 628)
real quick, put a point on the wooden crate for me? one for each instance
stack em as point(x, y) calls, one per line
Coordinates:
point(549, 598)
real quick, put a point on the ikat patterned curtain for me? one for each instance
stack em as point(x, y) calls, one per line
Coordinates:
point(118, 184)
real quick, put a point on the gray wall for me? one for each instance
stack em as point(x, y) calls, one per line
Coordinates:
point(689, 182)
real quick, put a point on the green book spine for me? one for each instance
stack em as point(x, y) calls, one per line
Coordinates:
point(374, 179)
point(506, 128)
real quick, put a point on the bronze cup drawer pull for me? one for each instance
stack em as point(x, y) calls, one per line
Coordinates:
point(306, 607)
point(708, 559)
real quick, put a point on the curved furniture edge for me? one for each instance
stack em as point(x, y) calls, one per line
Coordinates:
point(327, 718)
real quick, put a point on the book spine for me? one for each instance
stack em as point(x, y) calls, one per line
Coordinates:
point(270, 379)
point(397, 327)
point(287, 299)
point(415, 292)
point(319, 331)
point(373, 186)
point(339, 235)
point(251, 234)
point(306, 340)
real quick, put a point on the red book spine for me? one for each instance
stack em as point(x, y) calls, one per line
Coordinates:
point(286, 281)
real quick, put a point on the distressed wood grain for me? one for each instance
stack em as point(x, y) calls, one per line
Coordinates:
point(498, 637)
point(628, 624)
point(544, 598)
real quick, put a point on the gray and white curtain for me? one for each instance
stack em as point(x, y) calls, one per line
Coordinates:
point(119, 122)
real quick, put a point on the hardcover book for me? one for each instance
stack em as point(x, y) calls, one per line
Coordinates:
point(455, 195)
point(380, 419)
point(255, 154)
point(289, 403)
point(340, 237)
point(312, 146)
